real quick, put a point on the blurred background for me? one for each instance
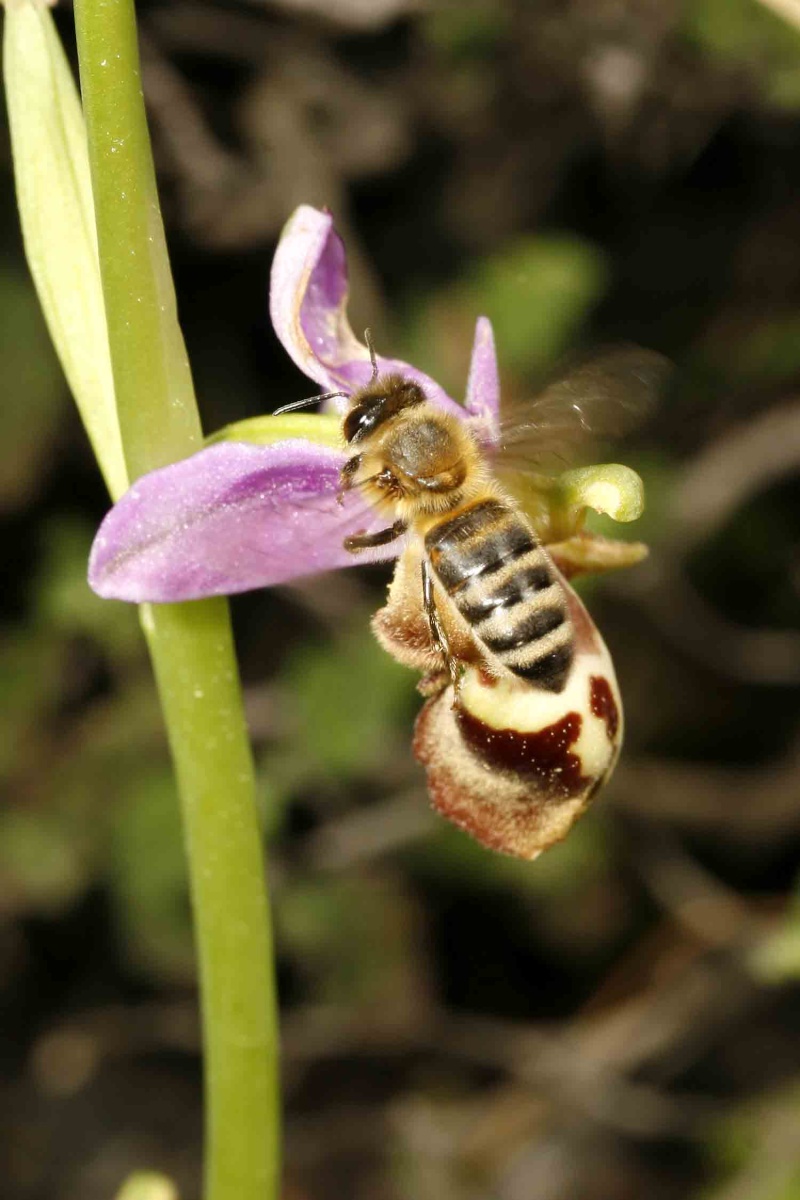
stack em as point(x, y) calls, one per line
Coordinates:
point(621, 1018)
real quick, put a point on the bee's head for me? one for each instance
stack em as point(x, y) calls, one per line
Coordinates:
point(377, 403)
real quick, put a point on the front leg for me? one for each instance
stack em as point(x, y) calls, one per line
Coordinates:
point(347, 477)
point(364, 541)
point(438, 635)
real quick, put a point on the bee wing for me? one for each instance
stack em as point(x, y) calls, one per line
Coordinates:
point(598, 400)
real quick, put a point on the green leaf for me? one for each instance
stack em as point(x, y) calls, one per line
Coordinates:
point(51, 167)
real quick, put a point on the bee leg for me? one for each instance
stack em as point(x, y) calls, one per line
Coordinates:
point(382, 537)
point(438, 634)
point(346, 476)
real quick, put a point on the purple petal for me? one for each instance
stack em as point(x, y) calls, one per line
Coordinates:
point(233, 517)
point(483, 385)
point(308, 306)
point(308, 297)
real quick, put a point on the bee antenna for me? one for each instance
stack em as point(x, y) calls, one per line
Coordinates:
point(372, 358)
point(285, 408)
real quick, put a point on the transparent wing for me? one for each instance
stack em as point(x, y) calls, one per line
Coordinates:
point(597, 401)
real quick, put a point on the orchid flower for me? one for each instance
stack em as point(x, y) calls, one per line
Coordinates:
point(259, 506)
point(261, 509)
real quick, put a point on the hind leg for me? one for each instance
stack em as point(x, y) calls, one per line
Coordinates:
point(438, 635)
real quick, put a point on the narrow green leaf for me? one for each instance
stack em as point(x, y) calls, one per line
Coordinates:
point(51, 167)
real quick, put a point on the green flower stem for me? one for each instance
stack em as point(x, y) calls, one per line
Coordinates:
point(190, 644)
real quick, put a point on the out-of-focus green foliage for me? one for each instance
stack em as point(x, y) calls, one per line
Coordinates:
point(347, 703)
point(770, 351)
point(147, 877)
point(30, 670)
point(42, 864)
point(776, 958)
point(465, 32)
point(147, 1185)
point(748, 36)
point(341, 705)
point(537, 291)
point(585, 175)
point(63, 601)
point(756, 1151)
point(351, 939)
point(36, 400)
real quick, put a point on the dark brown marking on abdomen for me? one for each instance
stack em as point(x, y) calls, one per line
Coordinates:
point(603, 704)
point(544, 755)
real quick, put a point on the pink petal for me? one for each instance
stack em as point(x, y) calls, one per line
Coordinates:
point(308, 298)
point(233, 517)
point(483, 384)
point(308, 306)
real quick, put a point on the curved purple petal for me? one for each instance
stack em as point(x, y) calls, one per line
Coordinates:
point(308, 297)
point(232, 517)
point(308, 306)
point(482, 400)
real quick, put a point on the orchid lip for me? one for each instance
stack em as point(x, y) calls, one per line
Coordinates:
point(231, 518)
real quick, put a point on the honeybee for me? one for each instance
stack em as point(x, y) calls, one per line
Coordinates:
point(425, 470)
point(528, 726)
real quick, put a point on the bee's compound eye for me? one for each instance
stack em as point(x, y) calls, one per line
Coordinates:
point(359, 421)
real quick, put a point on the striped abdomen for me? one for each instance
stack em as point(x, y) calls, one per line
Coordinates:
point(501, 581)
